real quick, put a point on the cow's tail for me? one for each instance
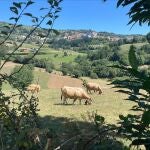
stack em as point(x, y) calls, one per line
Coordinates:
point(61, 97)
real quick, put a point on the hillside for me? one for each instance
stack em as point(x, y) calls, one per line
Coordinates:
point(77, 52)
point(22, 31)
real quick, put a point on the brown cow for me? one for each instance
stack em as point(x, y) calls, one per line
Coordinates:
point(74, 93)
point(93, 86)
point(34, 88)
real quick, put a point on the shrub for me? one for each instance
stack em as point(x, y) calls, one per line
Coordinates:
point(76, 73)
point(65, 54)
point(49, 67)
point(93, 75)
point(22, 78)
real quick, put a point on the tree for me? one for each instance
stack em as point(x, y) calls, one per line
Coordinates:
point(22, 78)
point(139, 10)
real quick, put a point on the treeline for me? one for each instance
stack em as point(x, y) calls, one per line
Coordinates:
point(86, 43)
point(41, 63)
point(83, 44)
point(97, 64)
point(123, 41)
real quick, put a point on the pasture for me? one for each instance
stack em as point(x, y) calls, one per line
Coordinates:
point(53, 55)
point(65, 121)
point(110, 104)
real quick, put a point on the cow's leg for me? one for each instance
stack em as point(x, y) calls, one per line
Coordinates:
point(80, 101)
point(85, 102)
point(74, 100)
point(64, 100)
point(90, 91)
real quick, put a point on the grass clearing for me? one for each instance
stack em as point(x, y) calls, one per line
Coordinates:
point(110, 104)
point(65, 119)
point(53, 55)
point(125, 48)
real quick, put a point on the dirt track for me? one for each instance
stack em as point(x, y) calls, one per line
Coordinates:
point(58, 81)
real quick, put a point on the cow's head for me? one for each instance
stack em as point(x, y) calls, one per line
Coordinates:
point(88, 101)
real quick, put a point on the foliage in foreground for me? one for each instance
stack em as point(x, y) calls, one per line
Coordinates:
point(19, 127)
point(136, 127)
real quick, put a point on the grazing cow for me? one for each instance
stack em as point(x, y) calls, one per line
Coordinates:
point(34, 88)
point(74, 93)
point(93, 86)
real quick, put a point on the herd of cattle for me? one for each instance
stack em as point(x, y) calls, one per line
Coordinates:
point(75, 93)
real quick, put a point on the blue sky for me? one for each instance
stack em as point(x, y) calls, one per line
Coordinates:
point(85, 14)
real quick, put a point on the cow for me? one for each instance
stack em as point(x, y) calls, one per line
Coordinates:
point(33, 88)
point(93, 86)
point(74, 93)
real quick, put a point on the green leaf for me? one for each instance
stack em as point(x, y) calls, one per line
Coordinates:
point(119, 2)
point(99, 118)
point(121, 117)
point(18, 5)
point(13, 18)
point(43, 8)
point(56, 3)
point(49, 22)
point(56, 16)
point(28, 14)
point(14, 10)
point(50, 2)
point(55, 31)
point(6, 27)
point(19, 25)
point(4, 32)
point(132, 58)
point(30, 3)
point(146, 117)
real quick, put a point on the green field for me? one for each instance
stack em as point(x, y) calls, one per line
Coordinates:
point(55, 56)
point(110, 104)
point(125, 48)
point(68, 120)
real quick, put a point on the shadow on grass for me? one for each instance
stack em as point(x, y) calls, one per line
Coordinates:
point(68, 104)
point(78, 134)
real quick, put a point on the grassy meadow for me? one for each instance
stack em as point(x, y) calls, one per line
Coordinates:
point(110, 104)
point(53, 55)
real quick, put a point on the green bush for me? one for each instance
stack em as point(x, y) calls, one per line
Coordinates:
point(49, 67)
point(93, 75)
point(22, 78)
point(65, 54)
point(76, 73)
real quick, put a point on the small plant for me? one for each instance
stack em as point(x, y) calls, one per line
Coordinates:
point(65, 54)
